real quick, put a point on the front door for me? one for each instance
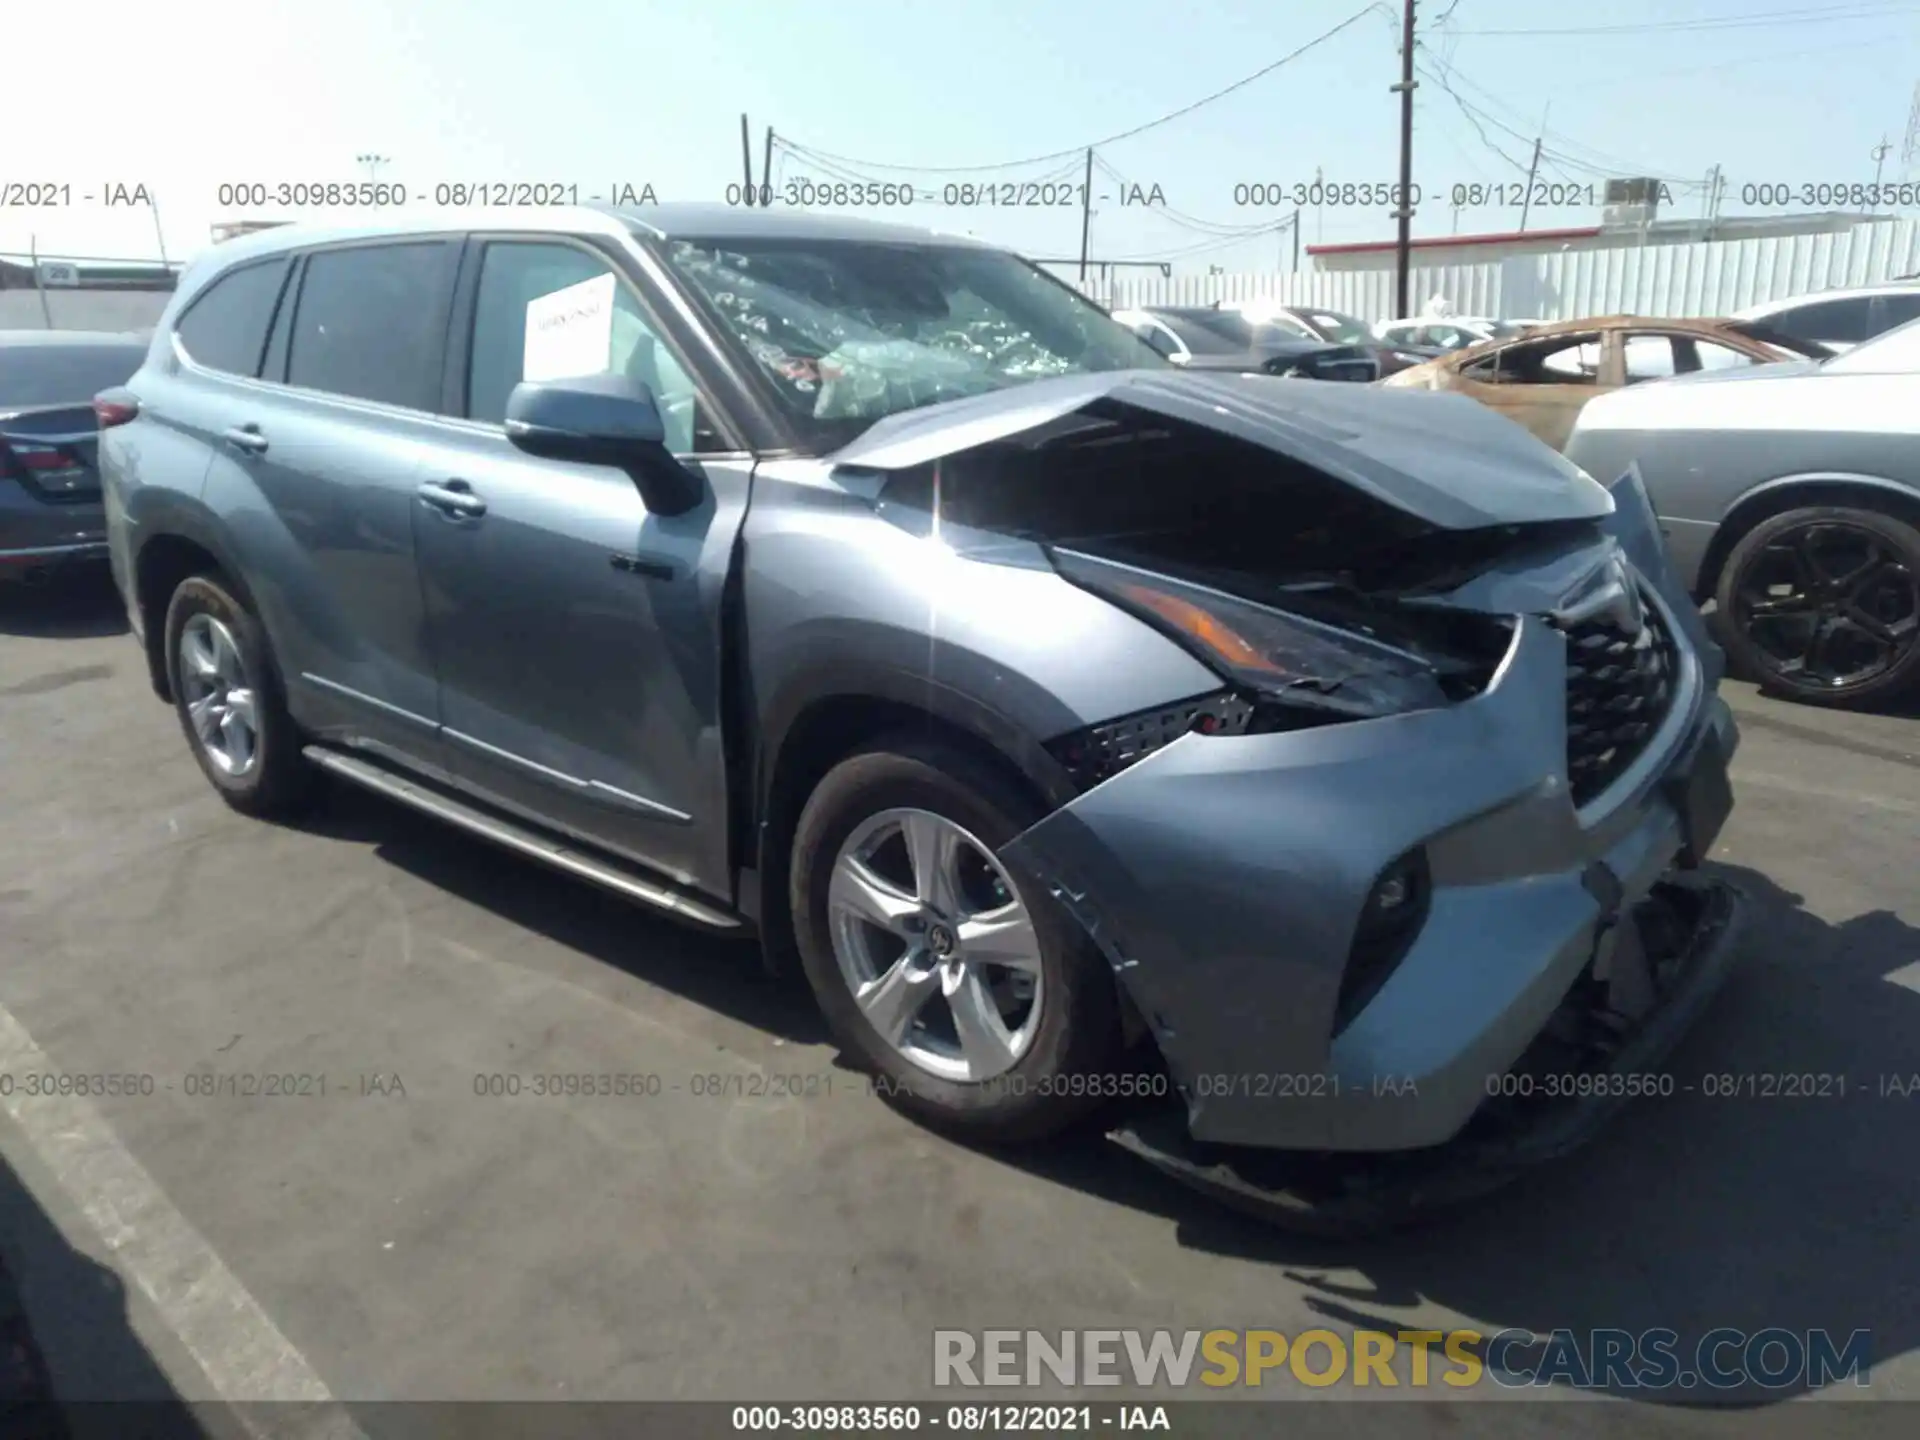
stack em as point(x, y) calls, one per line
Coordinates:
point(577, 636)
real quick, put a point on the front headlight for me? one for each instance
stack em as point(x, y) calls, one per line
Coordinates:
point(1273, 654)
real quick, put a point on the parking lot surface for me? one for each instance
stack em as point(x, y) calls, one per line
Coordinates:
point(409, 1234)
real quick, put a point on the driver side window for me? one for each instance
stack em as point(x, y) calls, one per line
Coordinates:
point(549, 312)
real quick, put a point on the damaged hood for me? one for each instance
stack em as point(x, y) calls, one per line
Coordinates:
point(1441, 458)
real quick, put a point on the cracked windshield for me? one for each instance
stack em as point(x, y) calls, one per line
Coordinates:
point(851, 332)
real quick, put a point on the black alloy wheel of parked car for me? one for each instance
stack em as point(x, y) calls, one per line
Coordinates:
point(1823, 605)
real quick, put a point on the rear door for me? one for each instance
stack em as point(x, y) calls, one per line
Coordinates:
point(578, 635)
point(314, 474)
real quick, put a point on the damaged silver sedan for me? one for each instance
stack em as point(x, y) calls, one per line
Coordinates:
point(1324, 775)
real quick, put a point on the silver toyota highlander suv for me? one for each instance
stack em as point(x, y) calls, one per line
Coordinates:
point(1320, 765)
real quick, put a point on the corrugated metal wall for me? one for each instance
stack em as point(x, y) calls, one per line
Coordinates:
point(1711, 278)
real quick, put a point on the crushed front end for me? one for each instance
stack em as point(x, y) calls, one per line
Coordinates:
point(1398, 935)
point(1440, 825)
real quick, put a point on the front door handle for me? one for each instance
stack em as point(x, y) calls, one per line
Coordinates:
point(245, 437)
point(453, 497)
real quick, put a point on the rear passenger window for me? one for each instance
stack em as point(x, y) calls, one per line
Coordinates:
point(226, 328)
point(371, 322)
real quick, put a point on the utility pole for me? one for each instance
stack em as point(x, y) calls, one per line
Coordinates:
point(39, 282)
point(1707, 195)
point(1086, 212)
point(1910, 146)
point(1533, 167)
point(1526, 200)
point(746, 157)
point(1296, 239)
point(1403, 251)
point(1880, 153)
point(372, 163)
point(159, 235)
point(766, 164)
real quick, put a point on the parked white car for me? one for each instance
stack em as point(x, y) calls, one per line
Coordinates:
point(1449, 332)
point(1840, 319)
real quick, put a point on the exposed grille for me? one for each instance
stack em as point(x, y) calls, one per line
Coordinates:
point(1103, 751)
point(1620, 685)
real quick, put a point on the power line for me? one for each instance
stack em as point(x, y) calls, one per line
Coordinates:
point(1078, 151)
point(1204, 247)
point(1181, 218)
point(1764, 20)
point(1601, 164)
point(812, 161)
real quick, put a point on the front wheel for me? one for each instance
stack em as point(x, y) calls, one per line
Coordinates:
point(1822, 605)
point(976, 1002)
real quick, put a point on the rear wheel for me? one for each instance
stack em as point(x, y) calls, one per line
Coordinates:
point(1822, 605)
point(974, 999)
point(227, 695)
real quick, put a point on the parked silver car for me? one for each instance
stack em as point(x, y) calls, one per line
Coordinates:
point(1083, 727)
point(1839, 319)
point(1790, 496)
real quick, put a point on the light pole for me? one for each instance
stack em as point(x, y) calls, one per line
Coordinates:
point(372, 164)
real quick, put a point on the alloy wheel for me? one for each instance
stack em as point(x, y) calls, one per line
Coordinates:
point(1829, 605)
point(219, 695)
point(936, 945)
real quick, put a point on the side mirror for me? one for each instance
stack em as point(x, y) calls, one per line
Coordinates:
point(603, 420)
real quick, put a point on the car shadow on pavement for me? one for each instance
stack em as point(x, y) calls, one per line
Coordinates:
point(76, 606)
point(1692, 1212)
point(1689, 1213)
point(71, 1366)
point(720, 974)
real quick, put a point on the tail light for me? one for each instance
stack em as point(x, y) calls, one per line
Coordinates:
point(41, 457)
point(115, 407)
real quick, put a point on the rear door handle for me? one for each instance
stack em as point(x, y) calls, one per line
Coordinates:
point(453, 497)
point(245, 437)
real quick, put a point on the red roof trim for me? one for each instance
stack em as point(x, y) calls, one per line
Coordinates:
point(1443, 242)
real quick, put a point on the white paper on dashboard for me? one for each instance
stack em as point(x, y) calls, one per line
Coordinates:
point(570, 332)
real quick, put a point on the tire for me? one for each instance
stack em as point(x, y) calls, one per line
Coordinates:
point(1072, 1044)
point(1787, 580)
point(277, 780)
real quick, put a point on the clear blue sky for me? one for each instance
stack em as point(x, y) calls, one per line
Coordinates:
point(185, 96)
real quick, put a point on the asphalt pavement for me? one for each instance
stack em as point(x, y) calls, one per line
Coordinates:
point(750, 1222)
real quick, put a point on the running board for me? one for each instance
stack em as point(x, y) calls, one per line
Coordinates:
point(513, 836)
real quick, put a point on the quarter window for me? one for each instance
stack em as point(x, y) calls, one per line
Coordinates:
point(550, 312)
point(1566, 360)
point(226, 327)
point(370, 323)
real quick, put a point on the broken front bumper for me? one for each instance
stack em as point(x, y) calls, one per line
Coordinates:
point(1565, 1088)
point(1224, 877)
